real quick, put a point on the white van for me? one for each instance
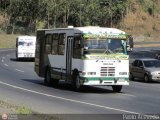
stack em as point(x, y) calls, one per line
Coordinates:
point(25, 47)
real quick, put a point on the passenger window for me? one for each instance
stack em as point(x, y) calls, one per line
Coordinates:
point(77, 46)
point(48, 41)
point(55, 44)
point(140, 64)
point(61, 46)
point(135, 63)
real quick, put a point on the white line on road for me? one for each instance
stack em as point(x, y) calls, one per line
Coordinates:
point(127, 94)
point(6, 65)
point(2, 60)
point(70, 100)
point(19, 70)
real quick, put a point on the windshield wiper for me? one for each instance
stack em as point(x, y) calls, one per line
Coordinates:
point(108, 51)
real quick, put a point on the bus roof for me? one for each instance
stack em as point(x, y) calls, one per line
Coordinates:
point(91, 29)
point(97, 29)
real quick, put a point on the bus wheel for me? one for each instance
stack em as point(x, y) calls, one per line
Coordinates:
point(48, 79)
point(55, 82)
point(76, 83)
point(117, 88)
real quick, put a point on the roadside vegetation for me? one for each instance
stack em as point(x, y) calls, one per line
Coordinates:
point(15, 109)
point(24, 112)
point(140, 18)
point(7, 41)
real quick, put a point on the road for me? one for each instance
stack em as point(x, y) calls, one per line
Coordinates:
point(20, 85)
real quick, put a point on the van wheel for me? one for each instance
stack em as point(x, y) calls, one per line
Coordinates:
point(48, 79)
point(117, 88)
point(76, 82)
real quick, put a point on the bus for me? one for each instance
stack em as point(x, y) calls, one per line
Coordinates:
point(25, 47)
point(83, 56)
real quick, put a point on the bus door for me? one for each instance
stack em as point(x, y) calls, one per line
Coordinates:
point(69, 57)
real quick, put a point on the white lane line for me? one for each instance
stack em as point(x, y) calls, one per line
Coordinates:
point(2, 60)
point(127, 94)
point(19, 70)
point(6, 65)
point(70, 100)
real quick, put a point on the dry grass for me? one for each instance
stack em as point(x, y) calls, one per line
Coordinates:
point(7, 41)
point(138, 22)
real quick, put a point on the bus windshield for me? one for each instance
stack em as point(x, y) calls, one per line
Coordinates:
point(104, 45)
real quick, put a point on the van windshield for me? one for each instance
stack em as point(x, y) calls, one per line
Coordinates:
point(24, 43)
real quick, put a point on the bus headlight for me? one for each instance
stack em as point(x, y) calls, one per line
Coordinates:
point(122, 73)
point(91, 73)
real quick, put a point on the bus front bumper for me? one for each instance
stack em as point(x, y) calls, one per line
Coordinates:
point(104, 81)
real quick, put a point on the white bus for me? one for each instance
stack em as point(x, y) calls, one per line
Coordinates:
point(83, 56)
point(25, 47)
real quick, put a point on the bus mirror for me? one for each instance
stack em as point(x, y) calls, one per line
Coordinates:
point(85, 48)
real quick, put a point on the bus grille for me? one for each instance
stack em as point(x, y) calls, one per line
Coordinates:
point(107, 71)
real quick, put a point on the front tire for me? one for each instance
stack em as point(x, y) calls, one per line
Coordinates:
point(146, 79)
point(117, 88)
point(76, 82)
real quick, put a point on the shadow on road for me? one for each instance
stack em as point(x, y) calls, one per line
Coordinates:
point(68, 87)
point(22, 60)
point(142, 81)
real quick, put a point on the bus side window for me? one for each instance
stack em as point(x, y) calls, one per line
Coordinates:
point(55, 44)
point(77, 46)
point(61, 45)
point(48, 42)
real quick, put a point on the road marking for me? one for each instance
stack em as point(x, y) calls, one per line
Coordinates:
point(127, 94)
point(2, 60)
point(19, 70)
point(6, 65)
point(70, 100)
point(8, 55)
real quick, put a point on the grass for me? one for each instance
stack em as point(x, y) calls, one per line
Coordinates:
point(15, 109)
point(25, 113)
point(7, 41)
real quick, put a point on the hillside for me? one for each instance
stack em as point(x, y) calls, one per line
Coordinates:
point(142, 20)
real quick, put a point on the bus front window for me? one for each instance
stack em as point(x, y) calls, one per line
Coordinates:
point(104, 45)
point(117, 46)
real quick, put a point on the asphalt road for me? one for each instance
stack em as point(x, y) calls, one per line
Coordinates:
point(20, 85)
